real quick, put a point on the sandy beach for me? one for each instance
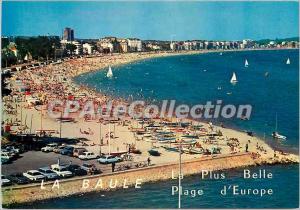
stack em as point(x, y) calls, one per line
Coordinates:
point(55, 82)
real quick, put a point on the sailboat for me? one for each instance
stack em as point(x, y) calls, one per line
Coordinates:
point(275, 134)
point(288, 62)
point(233, 78)
point(267, 74)
point(246, 63)
point(109, 73)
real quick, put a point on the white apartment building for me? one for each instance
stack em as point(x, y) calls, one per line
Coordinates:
point(78, 45)
point(87, 48)
point(134, 45)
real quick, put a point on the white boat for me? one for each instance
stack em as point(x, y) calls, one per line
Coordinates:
point(246, 63)
point(109, 73)
point(233, 78)
point(275, 134)
point(150, 140)
point(196, 151)
point(288, 62)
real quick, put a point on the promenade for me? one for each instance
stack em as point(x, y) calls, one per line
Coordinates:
point(72, 186)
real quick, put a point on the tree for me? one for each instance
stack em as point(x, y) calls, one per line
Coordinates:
point(4, 42)
point(8, 57)
point(22, 47)
point(55, 44)
point(41, 47)
point(70, 48)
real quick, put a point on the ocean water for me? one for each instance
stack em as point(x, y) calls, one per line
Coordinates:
point(194, 79)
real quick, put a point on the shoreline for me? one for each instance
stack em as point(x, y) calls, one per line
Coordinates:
point(63, 83)
point(294, 151)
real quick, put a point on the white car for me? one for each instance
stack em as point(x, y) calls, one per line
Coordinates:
point(61, 171)
point(12, 149)
point(105, 159)
point(88, 156)
point(5, 181)
point(49, 147)
point(48, 173)
point(6, 155)
point(34, 175)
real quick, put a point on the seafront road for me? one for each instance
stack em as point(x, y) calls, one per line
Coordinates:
point(37, 159)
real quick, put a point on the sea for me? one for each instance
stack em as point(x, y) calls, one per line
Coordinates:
point(268, 84)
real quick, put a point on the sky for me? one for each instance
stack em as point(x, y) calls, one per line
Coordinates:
point(168, 20)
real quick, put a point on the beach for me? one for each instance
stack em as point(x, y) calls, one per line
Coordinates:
point(55, 82)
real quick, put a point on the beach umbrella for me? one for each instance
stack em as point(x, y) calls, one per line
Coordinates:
point(71, 97)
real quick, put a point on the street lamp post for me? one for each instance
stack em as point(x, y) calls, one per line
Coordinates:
point(100, 143)
point(60, 125)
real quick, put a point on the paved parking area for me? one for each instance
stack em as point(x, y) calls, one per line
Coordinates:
point(37, 159)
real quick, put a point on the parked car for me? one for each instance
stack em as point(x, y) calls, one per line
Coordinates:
point(5, 157)
point(90, 168)
point(105, 159)
point(34, 175)
point(5, 181)
point(88, 156)
point(13, 149)
point(68, 150)
point(58, 149)
point(18, 178)
point(48, 173)
point(61, 171)
point(49, 147)
point(5, 160)
point(77, 170)
point(12, 155)
point(78, 151)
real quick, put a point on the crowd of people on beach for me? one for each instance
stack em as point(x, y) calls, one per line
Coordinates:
point(54, 82)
